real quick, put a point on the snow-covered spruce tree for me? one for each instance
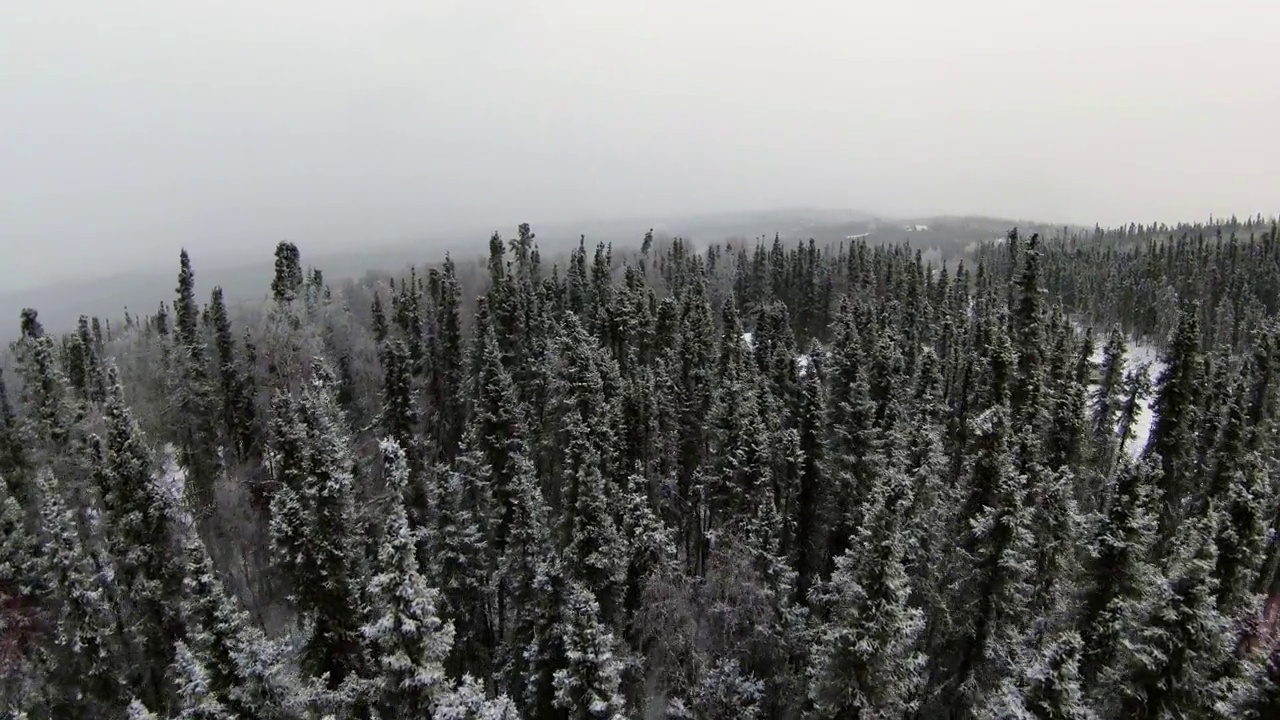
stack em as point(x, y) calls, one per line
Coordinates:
point(1059, 527)
point(313, 525)
point(23, 589)
point(1124, 580)
point(83, 660)
point(526, 574)
point(447, 364)
point(812, 513)
point(144, 541)
point(692, 361)
point(1265, 703)
point(651, 545)
point(1048, 688)
point(521, 536)
point(12, 453)
point(851, 443)
point(407, 640)
point(1173, 432)
point(1067, 437)
point(587, 679)
point(1137, 388)
point(239, 419)
point(592, 540)
point(46, 429)
point(724, 692)
point(138, 711)
point(244, 670)
point(1175, 664)
point(288, 273)
point(192, 405)
point(401, 421)
point(464, 560)
point(1027, 397)
point(997, 570)
point(468, 702)
point(20, 571)
point(867, 662)
point(1242, 488)
point(1104, 407)
point(195, 698)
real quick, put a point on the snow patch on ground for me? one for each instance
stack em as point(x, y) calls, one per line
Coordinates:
point(749, 339)
point(173, 476)
point(1137, 354)
point(803, 363)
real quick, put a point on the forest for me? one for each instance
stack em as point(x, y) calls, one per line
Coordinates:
point(752, 481)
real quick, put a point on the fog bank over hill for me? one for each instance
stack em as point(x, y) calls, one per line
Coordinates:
point(247, 274)
point(133, 128)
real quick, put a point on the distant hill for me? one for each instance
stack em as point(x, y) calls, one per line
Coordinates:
point(61, 303)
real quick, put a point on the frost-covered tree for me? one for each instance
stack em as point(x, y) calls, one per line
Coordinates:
point(196, 699)
point(868, 662)
point(587, 679)
point(997, 569)
point(84, 663)
point(723, 692)
point(313, 525)
point(1124, 580)
point(144, 542)
point(1176, 662)
point(1106, 398)
point(407, 640)
point(468, 702)
point(243, 669)
point(1048, 687)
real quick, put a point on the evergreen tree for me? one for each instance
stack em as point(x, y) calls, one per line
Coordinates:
point(12, 457)
point(313, 526)
point(194, 407)
point(593, 542)
point(465, 563)
point(241, 668)
point(238, 419)
point(143, 541)
point(401, 421)
point(868, 663)
point(288, 274)
point(196, 700)
point(1178, 657)
point(84, 658)
point(447, 364)
point(407, 639)
point(468, 702)
point(1106, 401)
point(587, 683)
point(1049, 688)
point(1124, 578)
point(998, 567)
point(1176, 406)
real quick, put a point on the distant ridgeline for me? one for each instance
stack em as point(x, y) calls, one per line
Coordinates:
point(759, 480)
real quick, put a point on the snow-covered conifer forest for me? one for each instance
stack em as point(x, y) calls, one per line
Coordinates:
point(759, 481)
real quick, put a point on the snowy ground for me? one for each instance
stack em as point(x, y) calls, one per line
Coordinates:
point(173, 477)
point(1138, 353)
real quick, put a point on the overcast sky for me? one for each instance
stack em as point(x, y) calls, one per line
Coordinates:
point(129, 128)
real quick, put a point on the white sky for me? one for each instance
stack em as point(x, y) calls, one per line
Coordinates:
point(130, 128)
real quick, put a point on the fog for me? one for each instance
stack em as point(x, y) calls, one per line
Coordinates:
point(129, 129)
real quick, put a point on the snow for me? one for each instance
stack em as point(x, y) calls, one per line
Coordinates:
point(749, 339)
point(1138, 353)
point(173, 477)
